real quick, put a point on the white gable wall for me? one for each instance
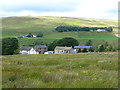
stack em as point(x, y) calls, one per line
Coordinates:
point(32, 51)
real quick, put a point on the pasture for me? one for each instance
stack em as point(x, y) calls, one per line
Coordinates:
point(18, 26)
point(97, 38)
point(83, 70)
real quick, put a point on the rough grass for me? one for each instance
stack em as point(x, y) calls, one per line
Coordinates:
point(84, 70)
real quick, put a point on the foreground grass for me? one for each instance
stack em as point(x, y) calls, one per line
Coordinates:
point(97, 70)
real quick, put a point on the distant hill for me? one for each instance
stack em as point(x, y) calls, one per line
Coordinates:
point(17, 26)
point(46, 24)
point(52, 22)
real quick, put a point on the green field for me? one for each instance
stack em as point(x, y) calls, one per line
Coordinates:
point(17, 26)
point(85, 70)
point(82, 37)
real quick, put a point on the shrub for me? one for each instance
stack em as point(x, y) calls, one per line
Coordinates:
point(17, 51)
point(79, 51)
point(40, 35)
point(29, 35)
point(84, 50)
point(101, 48)
point(91, 49)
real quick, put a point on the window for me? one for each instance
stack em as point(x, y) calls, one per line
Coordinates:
point(39, 52)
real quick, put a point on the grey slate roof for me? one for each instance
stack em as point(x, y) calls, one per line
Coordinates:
point(63, 48)
point(41, 46)
point(25, 48)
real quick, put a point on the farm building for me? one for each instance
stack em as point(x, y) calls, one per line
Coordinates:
point(49, 52)
point(34, 36)
point(76, 48)
point(101, 30)
point(41, 48)
point(62, 50)
point(24, 36)
point(28, 50)
point(27, 36)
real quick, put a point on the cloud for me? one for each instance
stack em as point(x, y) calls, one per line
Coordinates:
point(72, 8)
point(38, 5)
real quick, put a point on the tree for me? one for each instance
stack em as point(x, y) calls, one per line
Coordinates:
point(63, 42)
point(30, 35)
point(89, 43)
point(91, 49)
point(79, 51)
point(52, 45)
point(9, 46)
point(17, 51)
point(110, 48)
point(109, 29)
point(106, 44)
point(84, 50)
point(67, 42)
point(74, 28)
point(101, 48)
point(40, 35)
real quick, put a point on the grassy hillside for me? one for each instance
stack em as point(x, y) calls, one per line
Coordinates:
point(17, 26)
point(61, 71)
point(46, 24)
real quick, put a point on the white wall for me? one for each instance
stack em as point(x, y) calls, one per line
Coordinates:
point(32, 51)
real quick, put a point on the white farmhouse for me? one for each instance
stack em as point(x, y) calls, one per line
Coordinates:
point(28, 50)
point(101, 30)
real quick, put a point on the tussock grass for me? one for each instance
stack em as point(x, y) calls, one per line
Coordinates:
point(96, 70)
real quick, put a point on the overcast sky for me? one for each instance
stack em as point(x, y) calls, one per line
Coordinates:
point(106, 9)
